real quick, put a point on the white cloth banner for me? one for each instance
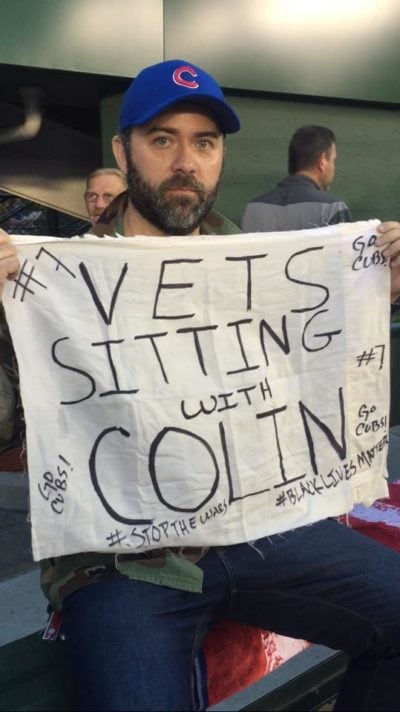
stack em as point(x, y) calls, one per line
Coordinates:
point(193, 391)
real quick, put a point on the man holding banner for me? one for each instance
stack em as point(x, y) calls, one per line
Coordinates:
point(136, 612)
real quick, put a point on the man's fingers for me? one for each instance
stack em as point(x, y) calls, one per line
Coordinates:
point(9, 262)
point(388, 232)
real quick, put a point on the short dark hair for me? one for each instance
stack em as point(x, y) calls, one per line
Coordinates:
point(306, 144)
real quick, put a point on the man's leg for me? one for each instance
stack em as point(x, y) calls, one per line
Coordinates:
point(329, 585)
point(131, 644)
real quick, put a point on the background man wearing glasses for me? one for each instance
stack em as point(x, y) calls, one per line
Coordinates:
point(102, 186)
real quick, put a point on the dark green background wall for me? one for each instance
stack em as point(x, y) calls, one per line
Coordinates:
point(368, 139)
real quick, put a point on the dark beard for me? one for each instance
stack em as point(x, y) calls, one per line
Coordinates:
point(173, 215)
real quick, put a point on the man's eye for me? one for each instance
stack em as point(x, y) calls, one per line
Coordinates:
point(204, 143)
point(162, 140)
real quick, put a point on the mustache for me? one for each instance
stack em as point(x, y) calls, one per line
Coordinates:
point(182, 181)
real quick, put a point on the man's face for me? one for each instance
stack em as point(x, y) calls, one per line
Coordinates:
point(173, 165)
point(101, 190)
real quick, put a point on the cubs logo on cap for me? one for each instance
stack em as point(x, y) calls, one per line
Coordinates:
point(179, 77)
point(162, 85)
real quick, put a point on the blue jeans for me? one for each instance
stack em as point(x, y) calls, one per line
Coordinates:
point(132, 645)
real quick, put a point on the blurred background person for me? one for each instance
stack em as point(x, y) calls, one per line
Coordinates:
point(301, 199)
point(102, 186)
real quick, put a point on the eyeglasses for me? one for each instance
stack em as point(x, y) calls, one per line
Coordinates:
point(91, 197)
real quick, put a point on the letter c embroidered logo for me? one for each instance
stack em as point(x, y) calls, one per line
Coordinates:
point(178, 79)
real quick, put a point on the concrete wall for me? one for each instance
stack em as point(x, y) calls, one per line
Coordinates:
point(334, 48)
point(97, 36)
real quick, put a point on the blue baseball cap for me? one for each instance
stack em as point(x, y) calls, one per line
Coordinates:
point(162, 85)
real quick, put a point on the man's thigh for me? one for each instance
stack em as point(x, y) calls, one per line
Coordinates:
point(131, 644)
point(325, 583)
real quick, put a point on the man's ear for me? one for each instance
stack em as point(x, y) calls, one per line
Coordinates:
point(119, 153)
point(321, 162)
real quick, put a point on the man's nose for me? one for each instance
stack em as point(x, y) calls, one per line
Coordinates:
point(184, 159)
point(101, 202)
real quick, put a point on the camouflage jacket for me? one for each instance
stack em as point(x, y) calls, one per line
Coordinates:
point(11, 415)
point(175, 568)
